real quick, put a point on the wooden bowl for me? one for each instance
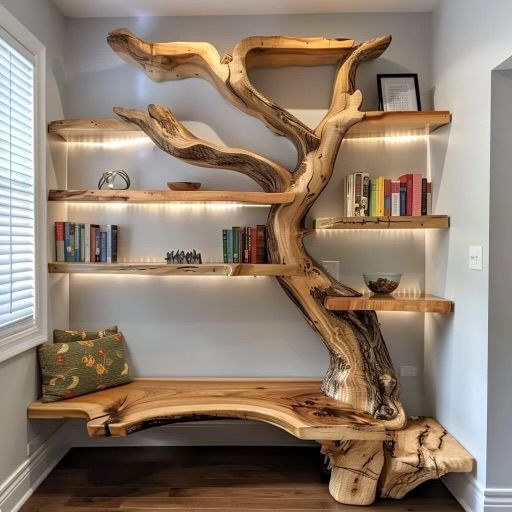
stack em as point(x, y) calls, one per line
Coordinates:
point(184, 186)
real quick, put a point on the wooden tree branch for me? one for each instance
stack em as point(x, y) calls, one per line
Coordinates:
point(360, 372)
point(344, 84)
point(172, 137)
point(176, 61)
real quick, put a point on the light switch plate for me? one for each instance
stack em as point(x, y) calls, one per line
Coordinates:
point(475, 257)
point(333, 267)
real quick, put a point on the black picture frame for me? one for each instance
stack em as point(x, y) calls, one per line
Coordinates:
point(414, 76)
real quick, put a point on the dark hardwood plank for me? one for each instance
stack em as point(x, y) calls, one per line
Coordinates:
point(200, 479)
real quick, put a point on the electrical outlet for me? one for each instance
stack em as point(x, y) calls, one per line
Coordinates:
point(333, 268)
point(475, 257)
point(408, 371)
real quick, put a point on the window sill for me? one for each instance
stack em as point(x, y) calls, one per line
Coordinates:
point(17, 345)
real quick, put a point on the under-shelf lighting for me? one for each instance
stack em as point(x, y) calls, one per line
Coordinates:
point(391, 139)
point(180, 206)
point(117, 143)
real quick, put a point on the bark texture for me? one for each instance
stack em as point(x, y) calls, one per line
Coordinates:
point(360, 372)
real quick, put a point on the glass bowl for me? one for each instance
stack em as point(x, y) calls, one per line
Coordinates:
point(382, 282)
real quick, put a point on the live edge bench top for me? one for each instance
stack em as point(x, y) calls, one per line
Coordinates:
point(297, 406)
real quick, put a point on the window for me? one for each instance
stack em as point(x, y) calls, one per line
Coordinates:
point(22, 189)
point(17, 234)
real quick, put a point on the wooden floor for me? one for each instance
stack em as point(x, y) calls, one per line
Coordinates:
point(204, 479)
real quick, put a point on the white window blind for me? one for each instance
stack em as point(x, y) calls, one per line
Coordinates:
point(17, 223)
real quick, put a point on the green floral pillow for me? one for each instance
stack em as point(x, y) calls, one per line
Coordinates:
point(73, 369)
point(60, 336)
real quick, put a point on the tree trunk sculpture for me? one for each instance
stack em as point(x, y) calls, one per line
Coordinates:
point(360, 372)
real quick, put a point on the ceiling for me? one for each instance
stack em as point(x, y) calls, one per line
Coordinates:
point(128, 8)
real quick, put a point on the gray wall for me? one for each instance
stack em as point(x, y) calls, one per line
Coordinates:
point(499, 471)
point(239, 327)
point(18, 376)
point(470, 38)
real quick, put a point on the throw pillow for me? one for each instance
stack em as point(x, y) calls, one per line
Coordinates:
point(73, 369)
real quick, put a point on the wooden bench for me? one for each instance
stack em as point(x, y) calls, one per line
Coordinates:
point(364, 457)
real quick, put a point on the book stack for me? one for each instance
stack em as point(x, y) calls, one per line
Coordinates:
point(85, 243)
point(245, 244)
point(409, 195)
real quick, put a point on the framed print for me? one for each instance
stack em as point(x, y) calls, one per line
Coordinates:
point(399, 92)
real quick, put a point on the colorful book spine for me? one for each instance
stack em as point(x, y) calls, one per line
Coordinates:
point(416, 195)
point(225, 246)
point(87, 244)
point(76, 249)
point(230, 245)
point(114, 238)
point(403, 199)
point(387, 197)
point(98, 244)
point(254, 245)
point(82, 243)
point(366, 194)
point(424, 196)
point(380, 197)
point(59, 241)
point(103, 245)
point(358, 194)
point(261, 244)
point(429, 198)
point(68, 248)
point(395, 198)
point(236, 244)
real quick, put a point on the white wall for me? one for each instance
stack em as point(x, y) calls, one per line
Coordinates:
point(238, 327)
point(470, 38)
point(18, 376)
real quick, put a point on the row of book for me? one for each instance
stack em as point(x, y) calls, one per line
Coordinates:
point(244, 244)
point(86, 243)
point(409, 195)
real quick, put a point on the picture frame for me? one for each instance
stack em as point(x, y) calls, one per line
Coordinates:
point(399, 92)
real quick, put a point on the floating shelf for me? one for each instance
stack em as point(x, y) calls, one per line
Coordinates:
point(393, 302)
point(170, 196)
point(297, 406)
point(164, 269)
point(393, 124)
point(375, 124)
point(424, 222)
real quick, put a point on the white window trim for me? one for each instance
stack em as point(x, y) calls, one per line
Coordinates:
point(20, 341)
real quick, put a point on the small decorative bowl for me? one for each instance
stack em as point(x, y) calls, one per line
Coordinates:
point(184, 186)
point(381, 282)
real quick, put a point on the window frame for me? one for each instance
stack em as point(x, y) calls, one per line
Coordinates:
point(13, 339)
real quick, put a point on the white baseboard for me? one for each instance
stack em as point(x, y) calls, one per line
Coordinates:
point(18, 487)
point(473, 497)
point(498, 499)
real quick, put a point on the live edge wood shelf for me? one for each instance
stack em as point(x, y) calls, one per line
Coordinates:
point(170, 196)
point(164, 269)
point(354, 441)
point(398, 302)
point(375, 124)
point(387, 222)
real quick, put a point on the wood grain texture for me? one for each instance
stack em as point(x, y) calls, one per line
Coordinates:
point(164, 196)
point(360, 372)
point(203, 478)
point(423, 451)
point(164, 269)
point(374, 124)
point(355, 470)
point(391, 302)
point(297, 406)
point(400, 124)
point(387, 222)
